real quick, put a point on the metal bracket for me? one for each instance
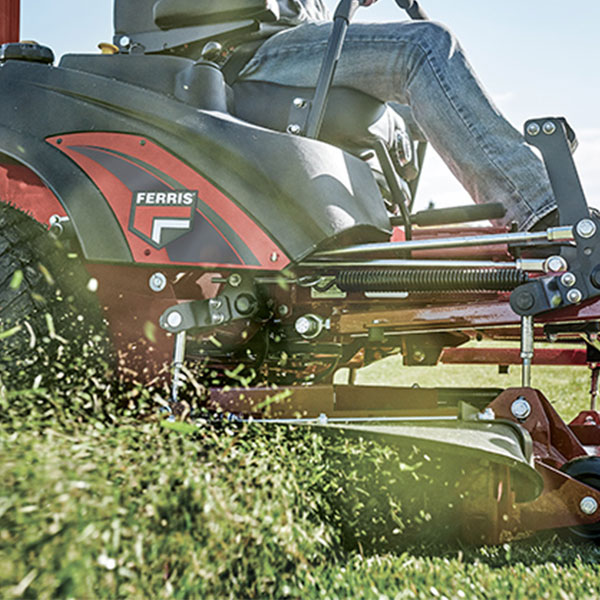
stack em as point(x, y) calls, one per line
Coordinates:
point(234, 303)
point(555, 140)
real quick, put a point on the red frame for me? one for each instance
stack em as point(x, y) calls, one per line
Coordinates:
point(10, 20)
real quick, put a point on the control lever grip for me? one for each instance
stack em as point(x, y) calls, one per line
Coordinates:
point(346, 8)
point(413, 9)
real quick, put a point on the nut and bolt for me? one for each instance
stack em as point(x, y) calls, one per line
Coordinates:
point(568, 279)
point(174, 319)
point(549, 127)
point(574, 296)
point(157, 282)
point(419, 356)
point(299, 102)
point(520, 408)
point(588, 505)
point(533, 129)
point(217, 318)
point(555, 264)
point(234, 280)
point(309, 326)
point(586, 228)
point(294, 129)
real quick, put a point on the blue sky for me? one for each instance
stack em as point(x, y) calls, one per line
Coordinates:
point(535, 58)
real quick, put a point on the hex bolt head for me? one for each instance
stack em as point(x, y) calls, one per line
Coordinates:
point(309, 326)
point(588, 505)
point(574, 296)
point(124, 41)
point(586, 228)
point(174, 319)
point(157, 282)
point(520, 408)
point(294, 129)
point(568, 279)
point(533, 129)
point(549, 127)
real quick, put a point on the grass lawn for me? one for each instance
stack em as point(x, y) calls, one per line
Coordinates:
point(98, 503)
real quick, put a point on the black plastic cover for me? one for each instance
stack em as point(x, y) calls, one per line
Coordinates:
point(23, 51)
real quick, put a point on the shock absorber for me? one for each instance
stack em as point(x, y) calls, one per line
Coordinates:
point(430, 280)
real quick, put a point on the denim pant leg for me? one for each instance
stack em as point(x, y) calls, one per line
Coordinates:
point(421, 64)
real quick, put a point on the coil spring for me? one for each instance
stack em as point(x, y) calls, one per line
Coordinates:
point(430, 280)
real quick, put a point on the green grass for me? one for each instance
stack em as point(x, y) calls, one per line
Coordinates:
point(100, 501)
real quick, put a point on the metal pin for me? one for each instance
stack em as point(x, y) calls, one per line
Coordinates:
point(178, 358)
point(527, 337)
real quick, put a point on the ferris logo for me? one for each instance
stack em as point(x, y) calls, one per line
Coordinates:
point(184, 198)
point(160, 218)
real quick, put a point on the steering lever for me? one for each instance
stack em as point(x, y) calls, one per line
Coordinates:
point(413, 9)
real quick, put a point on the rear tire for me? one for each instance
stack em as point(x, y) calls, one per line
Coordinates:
point(50, 322)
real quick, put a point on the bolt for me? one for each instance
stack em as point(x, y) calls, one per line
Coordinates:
point(309, 326)
point(555, 264)
point(419, 356)
point(574, 296)
point(158, 282)
point(234, 280)
point(524, 300)
point(217, 318)
point(283, 310)
point(568, 279)
point(299, 102)
point(174, 319)
point(520, 408)
point(215, 303)
point(588, 505)
point(533, 129)
point(586, 228)
point(274, 257)
point(549, 127)
point(124, 41)
point(294, 129)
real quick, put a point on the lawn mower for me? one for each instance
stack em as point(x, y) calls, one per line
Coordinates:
point(152, 193)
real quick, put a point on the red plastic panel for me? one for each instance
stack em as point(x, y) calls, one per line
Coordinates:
point(150, 192)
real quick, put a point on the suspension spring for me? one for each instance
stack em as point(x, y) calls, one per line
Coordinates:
point(430, 280)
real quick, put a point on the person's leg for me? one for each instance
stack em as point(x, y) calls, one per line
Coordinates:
point(422, 64)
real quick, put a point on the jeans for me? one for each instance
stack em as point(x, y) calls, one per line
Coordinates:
point(421, 64)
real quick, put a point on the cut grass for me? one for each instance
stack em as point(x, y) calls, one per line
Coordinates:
point(98, 504)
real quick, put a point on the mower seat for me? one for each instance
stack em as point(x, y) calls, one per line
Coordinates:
point(353, 120)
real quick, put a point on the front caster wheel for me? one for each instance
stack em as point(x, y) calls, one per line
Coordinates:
point(587, 470)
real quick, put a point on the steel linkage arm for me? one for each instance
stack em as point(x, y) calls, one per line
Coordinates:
point(556, 141)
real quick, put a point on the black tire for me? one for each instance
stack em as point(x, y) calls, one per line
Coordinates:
point(587, 470)
point(49, 320)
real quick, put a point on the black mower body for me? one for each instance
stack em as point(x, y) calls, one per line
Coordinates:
point(72, 125)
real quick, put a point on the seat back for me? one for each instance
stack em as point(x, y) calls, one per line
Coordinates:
point(152, 26)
